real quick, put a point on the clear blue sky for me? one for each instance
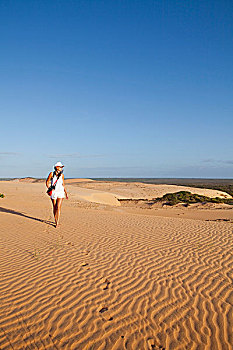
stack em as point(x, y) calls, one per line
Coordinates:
point(116, 88)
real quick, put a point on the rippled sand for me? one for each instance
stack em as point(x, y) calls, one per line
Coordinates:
point(109, 278)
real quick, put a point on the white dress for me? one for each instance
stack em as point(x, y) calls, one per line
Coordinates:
point(59, 191)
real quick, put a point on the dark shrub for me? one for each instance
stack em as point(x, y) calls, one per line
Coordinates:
point(188, 197)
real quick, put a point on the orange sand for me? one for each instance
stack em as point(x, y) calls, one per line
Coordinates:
point(112, 277)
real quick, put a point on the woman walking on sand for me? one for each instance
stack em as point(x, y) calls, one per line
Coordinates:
point(56, 182)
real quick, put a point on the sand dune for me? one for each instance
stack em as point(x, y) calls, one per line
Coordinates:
point(110, 279)
point(124, 190)
point(137, 190)
point(72, 181)
point(94, 196)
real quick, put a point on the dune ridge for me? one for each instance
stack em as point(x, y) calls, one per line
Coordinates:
point(138, 190)
point(111, 279)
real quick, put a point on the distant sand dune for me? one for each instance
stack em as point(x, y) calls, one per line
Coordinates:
point(94, 196)
point(125, 190)
point(71, 181)
point(108, 279)
point(137, 190)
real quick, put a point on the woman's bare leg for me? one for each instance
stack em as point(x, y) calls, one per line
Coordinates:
point(54, 201)
point(58, 210)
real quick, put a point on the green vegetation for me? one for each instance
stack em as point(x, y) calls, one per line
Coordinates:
point(189, 198)
point(2, 195)
point(180, 197)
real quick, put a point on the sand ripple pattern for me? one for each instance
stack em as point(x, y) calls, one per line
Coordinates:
point(111, 280)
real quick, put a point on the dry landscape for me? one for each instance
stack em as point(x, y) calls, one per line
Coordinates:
point(115, 274)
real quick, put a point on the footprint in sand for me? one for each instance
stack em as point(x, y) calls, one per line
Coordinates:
point(103, 309)
point(107, 284)
point(151, 344)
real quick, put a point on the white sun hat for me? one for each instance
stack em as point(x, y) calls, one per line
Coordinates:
point(59, 164)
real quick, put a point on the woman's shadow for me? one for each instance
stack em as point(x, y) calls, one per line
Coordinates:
point(11, 211)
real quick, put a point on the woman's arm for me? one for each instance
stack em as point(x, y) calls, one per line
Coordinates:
point(64, 186)
point(48, 180)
